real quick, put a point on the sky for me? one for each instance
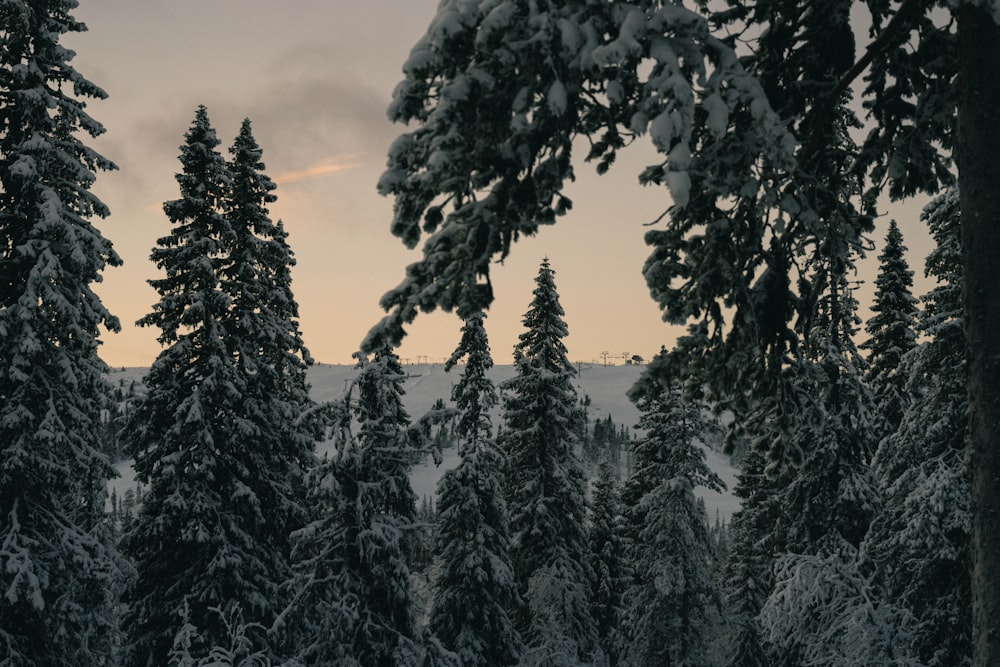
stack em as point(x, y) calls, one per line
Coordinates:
point(315, 78)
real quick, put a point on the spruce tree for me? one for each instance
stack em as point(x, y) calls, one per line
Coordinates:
point(921, 539)
point(672, 594)
point(181, 426)
point(475, 591)
point(606, 535)
point(748, 569)
point(546, 488)
point(215, 436)
point(266, 344)
point(828, 501)
point(59, 572)
point(891, 335)
point(263, 331)
point(352, 603)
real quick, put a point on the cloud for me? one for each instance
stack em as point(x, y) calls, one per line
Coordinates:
point(321, 168)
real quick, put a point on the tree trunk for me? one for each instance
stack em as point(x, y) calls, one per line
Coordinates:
point(978, 151)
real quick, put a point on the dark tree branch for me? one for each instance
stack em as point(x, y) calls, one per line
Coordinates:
point(907, 10)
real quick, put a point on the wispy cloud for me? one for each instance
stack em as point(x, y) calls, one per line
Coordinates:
point(321, 168)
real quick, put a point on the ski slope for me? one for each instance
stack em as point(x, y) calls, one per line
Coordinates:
point(607, 387)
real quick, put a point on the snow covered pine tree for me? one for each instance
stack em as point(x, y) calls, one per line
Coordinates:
point(672, 592)
point(215, 437)
point(606, 535)
point(891, 335)
point(475, 592)
point(59, 573)
point(921, 539)
point(549, 547)
point(352, 603)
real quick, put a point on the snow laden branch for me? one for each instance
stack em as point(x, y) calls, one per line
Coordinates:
point(498, 91)
point(827, 611)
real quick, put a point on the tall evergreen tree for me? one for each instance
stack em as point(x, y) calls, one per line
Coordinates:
point(607, 546)
point(59, 572)
point(673, 591)
point(834, 488)
point(546, 487)
point(829, 500)
point(748, 570)
point(264, 338)
point(353, 604)
point(263, 324)
point(921, 538)
point(475, 591)
point(216, 435)
point(891, 334)
point(182, 426)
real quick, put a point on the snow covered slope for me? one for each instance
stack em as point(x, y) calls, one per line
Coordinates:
point(607, 387)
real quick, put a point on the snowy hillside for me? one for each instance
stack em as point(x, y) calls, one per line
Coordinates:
point(607, 387)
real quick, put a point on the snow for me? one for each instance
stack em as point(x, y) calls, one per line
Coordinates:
point(498, 20)
point(661, 131)
point(425, 383)
point(557, 98)
point(627, 43)
point(718, 115)
point(679, 185)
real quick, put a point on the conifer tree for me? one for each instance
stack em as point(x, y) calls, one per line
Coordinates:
point(475, 592)
point(352, 603)
point(59, 572)
point(828, 501)
point(546, 487)
point(921, 538)
point(748, 570)
point(258, 275)
point(607, 545)
point(672, 593)
point(182, 425)
point(264, 338)
point(215, 436)
point(891, 334)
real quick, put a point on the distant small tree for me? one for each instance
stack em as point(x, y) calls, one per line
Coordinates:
point(672, 593)
point(546, 487)
point(891, 331)
point(419, 545)
point(476, 591)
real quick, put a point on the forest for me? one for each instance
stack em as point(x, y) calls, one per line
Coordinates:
point(867, 450)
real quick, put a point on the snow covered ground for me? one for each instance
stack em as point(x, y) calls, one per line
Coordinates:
point(607, 387)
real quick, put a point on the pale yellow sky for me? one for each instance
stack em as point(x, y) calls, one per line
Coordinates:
point(315, 78)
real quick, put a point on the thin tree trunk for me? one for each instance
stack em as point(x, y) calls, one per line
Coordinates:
point(978, 152)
